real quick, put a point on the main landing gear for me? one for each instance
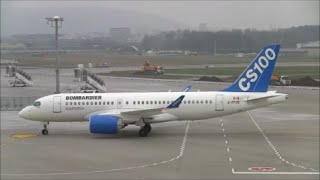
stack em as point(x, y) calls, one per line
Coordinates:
point(45, 130)
point(144, 131)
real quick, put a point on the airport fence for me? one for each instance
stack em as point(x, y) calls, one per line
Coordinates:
point(16, 103)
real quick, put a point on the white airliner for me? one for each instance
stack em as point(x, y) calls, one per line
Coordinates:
point(109, 112)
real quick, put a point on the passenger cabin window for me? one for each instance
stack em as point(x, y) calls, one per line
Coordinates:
point(66, 103)
point(36, 103)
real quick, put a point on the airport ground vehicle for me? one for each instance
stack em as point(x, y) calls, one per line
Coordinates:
point(20, 77)
point(152, 69)
point(280, 80)
point(17, 83)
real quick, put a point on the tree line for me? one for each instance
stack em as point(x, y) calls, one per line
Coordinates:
point(248, 40)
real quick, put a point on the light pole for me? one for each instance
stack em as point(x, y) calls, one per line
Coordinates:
point(54, 22)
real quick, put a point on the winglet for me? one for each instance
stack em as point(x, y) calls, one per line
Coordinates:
point(175, 103)
point(187, 88)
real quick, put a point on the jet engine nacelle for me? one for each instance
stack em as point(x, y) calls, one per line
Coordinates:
point(105, 124)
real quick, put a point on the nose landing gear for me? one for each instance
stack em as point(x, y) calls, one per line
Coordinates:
point(45, 131)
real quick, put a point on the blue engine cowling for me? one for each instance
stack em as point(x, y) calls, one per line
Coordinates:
point(104, 124)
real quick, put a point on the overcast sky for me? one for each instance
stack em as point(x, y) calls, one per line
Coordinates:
point(217, 14)
point(259, 14)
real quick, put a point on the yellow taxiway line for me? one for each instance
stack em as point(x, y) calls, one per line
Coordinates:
point(18, 136)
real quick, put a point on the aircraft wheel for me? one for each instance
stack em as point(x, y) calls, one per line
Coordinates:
point(143, 132)
point(148, 127)
point(44, 132)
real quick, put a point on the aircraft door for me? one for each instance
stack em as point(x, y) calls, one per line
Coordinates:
point(119, 102)
point(57, 104)
point(219, 102)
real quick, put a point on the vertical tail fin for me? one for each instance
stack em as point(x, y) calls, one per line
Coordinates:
point(256, 77)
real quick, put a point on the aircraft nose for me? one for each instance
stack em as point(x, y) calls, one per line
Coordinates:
point(24, 113)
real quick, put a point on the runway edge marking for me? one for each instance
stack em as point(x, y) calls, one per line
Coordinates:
point(275, 150)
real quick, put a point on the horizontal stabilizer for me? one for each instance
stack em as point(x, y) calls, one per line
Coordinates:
point(259, 98)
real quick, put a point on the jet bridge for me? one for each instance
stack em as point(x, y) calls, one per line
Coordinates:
point(21, 78)
point(94, 83)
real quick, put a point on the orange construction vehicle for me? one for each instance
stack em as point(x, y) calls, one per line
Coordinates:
point(280, 80)
point(152, 69)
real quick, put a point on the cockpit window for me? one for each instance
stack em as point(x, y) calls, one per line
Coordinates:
point(36, 103)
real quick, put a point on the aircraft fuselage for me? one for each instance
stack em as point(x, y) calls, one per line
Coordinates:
point(195, 105)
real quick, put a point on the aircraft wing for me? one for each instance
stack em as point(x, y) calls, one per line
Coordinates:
point(136, 114)
point(155, 111)
point(187, 88)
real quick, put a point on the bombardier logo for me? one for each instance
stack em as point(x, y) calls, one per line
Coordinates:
point(83, 97)
point(253, 74)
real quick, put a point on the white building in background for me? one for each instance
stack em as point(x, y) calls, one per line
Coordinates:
point(203, 27)
point(312, 48)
